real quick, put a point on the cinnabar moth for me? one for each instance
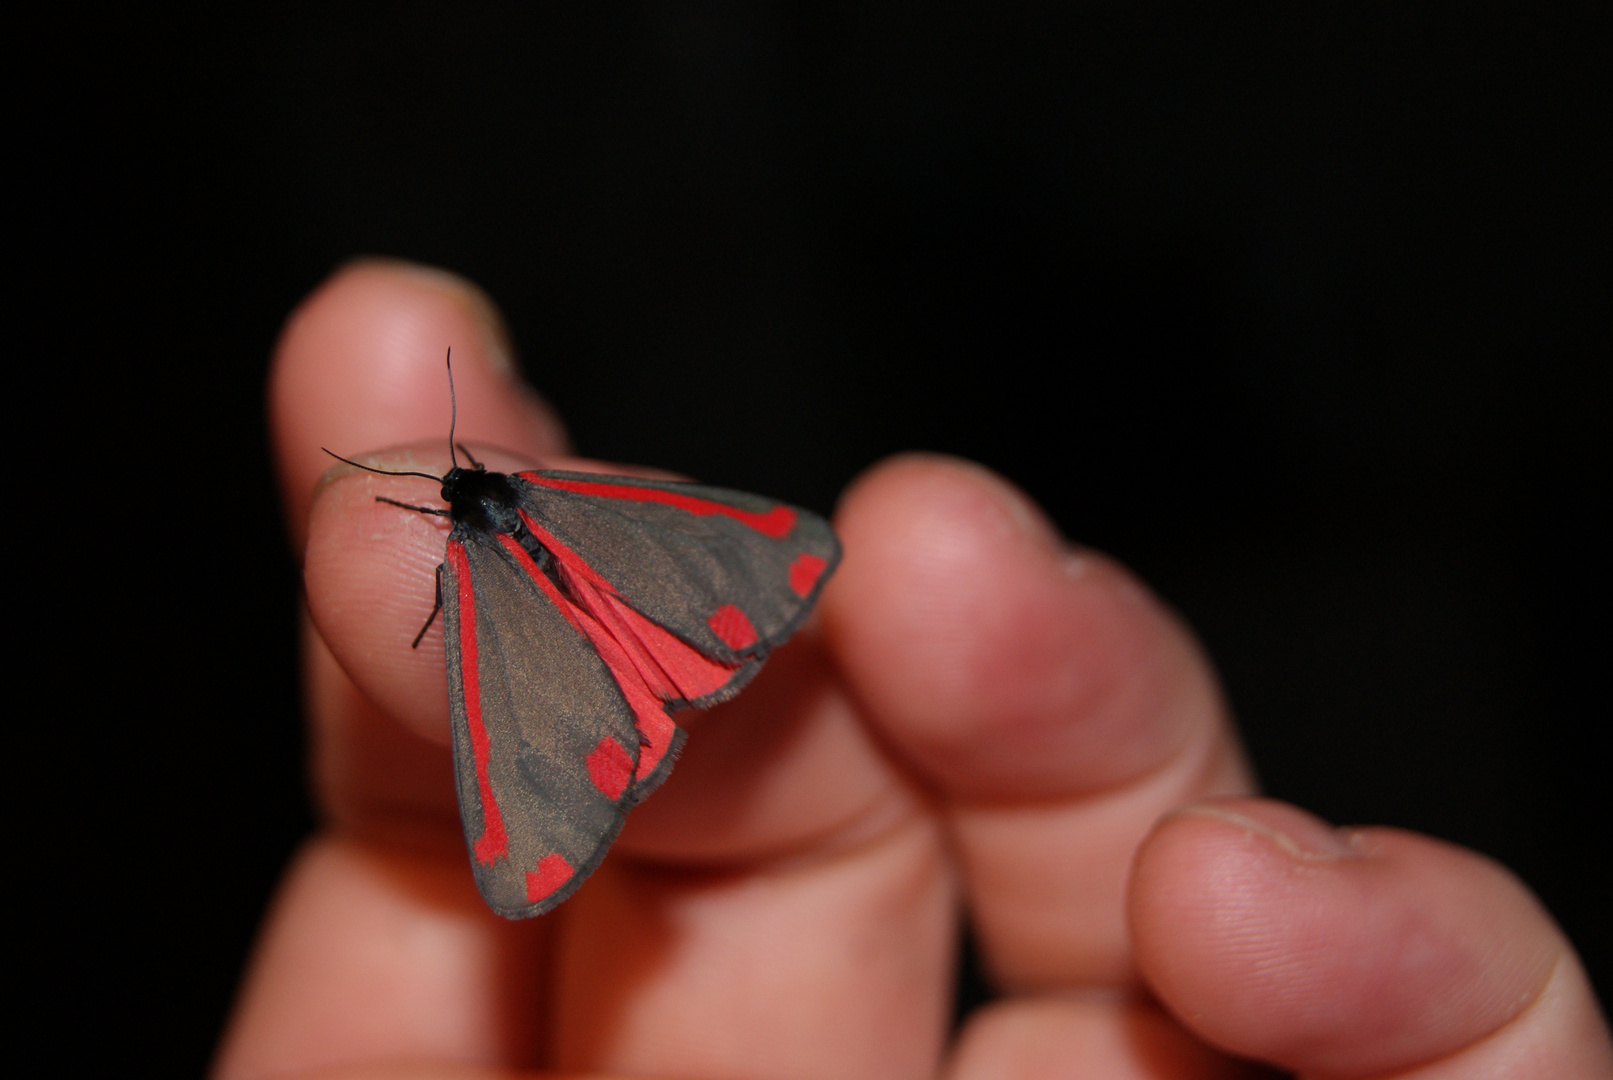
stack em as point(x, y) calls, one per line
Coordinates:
point(581, 610)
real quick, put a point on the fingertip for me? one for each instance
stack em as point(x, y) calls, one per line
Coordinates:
point(359, 366)
point(369, 571)
point(1275, 936)
point(1001, 661)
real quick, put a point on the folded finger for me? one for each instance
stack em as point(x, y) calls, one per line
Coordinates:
point(1054, 706)
point(1109, 1037)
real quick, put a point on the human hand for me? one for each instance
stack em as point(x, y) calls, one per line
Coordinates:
point(983, 720)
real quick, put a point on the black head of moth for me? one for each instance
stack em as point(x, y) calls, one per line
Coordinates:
point(580, 612)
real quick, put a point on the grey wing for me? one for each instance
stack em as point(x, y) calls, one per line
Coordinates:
point(730, 573)
point(544, 742)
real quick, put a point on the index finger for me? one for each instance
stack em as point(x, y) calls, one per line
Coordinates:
point(375, 949)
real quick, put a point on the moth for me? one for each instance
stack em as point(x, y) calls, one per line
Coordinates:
point(582, 611)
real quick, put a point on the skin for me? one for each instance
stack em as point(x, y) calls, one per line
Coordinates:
point(981, 722)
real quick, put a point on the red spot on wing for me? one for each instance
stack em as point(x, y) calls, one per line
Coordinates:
point(731, 625)
point(493, 844)
point(805, 572)
point(553, 871)
point(610, 768)
point(775, 523)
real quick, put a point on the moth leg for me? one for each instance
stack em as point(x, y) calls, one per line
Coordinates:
point(434, 511)
point(471, 457)
point(436, 606)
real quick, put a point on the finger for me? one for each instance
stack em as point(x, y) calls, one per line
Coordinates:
point(836, 962)
point(1098, 1038)
point(359, 367)
point(337, 975)
point(785, 883)
point(374, 954)
point(1357, 952)
point(1056, 708)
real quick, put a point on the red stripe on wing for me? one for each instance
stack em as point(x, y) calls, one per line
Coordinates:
point(673, 669)
point(655, 727)
point(493, 844)
point(670, 668)
point(775, 523)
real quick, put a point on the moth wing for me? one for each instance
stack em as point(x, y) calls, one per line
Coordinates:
point(729, 573)
point(545, 745)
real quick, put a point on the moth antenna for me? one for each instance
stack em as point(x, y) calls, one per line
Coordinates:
point(453, 406)
point(432, 510)
point(383, 472)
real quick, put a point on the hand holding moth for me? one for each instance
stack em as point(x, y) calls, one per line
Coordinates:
point(984, 722)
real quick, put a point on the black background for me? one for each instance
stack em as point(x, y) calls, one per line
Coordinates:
point(1303, 314)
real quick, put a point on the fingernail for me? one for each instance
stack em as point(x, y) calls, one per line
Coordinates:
point(1020, 514)
point(1295, 832)
point(497, 348)
point(1076, 564)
